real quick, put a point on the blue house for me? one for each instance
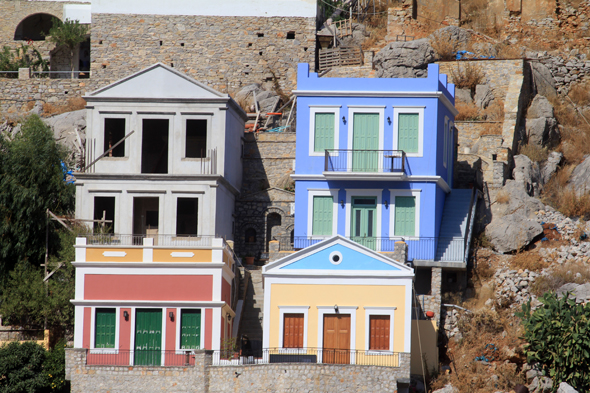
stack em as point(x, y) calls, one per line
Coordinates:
point(374, 163)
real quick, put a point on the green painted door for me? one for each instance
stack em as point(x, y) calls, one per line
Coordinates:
point(364, 221)
point(190, 329)
point(365, 142)
point(323, 210)
point(148, 337)
point(408, 132)
point(105, 328)
point(405, 216)
point(324, 132)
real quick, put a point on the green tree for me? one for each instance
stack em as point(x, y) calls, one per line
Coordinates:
point(24, 57)
point(558, 337)
point(32, 181)
point(21, 368)
point(55, 369)
point(69, 34)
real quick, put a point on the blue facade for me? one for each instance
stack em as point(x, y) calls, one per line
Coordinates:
point(374, 159)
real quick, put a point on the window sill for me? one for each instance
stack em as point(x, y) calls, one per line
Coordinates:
point(112, 351)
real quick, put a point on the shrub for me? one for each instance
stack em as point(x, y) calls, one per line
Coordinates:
point(580, 94)
point(21, 368)
point(502, 197)
point(467, 112)
point(567, 273)
point(491, 129)
point(495, 112)
point(467, 76)
point(561, 196)
point(534, 152)
point(444, 45)
point(528, 260)
point(558, 339)
point(55, 369)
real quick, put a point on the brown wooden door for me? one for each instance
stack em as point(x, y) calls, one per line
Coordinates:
point(293, 331)
point(379, 332)
point(336, 338)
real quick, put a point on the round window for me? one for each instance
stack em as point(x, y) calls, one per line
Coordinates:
point(336, 258)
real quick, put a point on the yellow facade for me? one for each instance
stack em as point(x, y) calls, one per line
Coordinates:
point(131, 254)
point(165, 255)
point(136, 255)
point(344, 296)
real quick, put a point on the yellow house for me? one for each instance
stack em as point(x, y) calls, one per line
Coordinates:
point(338, 302)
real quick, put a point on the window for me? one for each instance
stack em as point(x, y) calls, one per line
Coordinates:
point(408, 126)
point(250, 236)
point(405, 213)
point(196, 138)
point(379, 328)
point(323, 207)
point(114, 131)
point(323, 125)
point(293, 328)
point(104, 209)
point(154, 146)
point(105, 327)
point(187, 216)
point(190, 329)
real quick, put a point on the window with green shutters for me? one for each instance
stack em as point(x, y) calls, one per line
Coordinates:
point(323, 208)
point(190, 329)
point(408, 132)
point(105, 328)
point(324, 132)
point(405, 216)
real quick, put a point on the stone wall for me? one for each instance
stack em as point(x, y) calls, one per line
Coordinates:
point(203, 377)
point(13, 12)
point(223, 52)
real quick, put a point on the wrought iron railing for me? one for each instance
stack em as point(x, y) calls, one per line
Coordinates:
point(309, 355)
point(444, 249)
point(378, 161)
point(111, 239)
point(140, 357)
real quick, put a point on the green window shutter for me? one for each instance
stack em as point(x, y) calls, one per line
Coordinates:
point(323, 207)
point(105, 328)
point(408, 132)
point(190, 329)
point(324, 132)
point(405, 216)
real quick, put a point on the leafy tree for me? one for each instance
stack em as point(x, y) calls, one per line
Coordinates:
point(55, 369)
point(23, 57)
point(32, 181)
point(21, 368)
point(558, 337)
point(69, 34)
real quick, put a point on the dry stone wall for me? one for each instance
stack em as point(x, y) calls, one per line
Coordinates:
point(224, 52)
point(13, 12)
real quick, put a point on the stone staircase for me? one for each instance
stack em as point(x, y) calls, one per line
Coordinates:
point(251, 323)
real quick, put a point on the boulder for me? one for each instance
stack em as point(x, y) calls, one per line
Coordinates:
point(483, 96)
point(564, 387)
point(541, 385)
point(580, 178)
point(527, 173)
point(540, 107)
point(265, 99)
point(359, 35)
point(581, 292)
point(550, 166)
point(542, 131)
point(404, 59)
point(447, 389)
point(463, 95)
point(512, 232)
point(543, 79)
point(518, 201)
point(453, 33)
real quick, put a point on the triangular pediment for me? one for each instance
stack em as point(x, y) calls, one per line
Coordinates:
point(338, 255)
point(157, 82)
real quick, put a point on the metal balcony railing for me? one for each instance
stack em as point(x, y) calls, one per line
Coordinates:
point(110, 239)
point(377, 161)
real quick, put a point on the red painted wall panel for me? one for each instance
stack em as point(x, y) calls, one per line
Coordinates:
point(208, 328)
point(225, 291)
point(125, 330)
point(87, 322)
point(171, 329)
point(147, 287)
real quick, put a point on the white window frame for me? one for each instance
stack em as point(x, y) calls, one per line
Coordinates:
point(350, 193)
point(93, 194)
point(93, 348)
point(171, 138)
point(370, 311)
point(312, 193)
point(205, 116)
point(313, 109)
point(178, 320)
point(114, 115)
point(199, 198)
point(410, 109)
point(322, 310)
point(395, 193)
point(446, 142)
point(292, 310)
point(352, 109)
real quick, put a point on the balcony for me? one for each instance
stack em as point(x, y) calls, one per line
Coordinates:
point(110, 239)
point(341, 164)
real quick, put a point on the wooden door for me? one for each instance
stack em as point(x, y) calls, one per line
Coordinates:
point(364, 221)
point(148, 337)
point(293, 330)
point(336, 348)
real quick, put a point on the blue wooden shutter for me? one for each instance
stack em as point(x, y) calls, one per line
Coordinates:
point(408, 132)
point(405, 216)
point(323, 208)
point(324, 132)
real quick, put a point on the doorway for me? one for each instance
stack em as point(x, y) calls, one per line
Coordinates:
point(365, 142)
point(146, 215)
point(148, 337)
point(336, 348)
point(154, 146)
point(364, 221)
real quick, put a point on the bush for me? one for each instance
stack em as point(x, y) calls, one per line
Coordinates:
point(444, 45)
point(562, 274)
point(558, 337)
point(467, 112)
point(534, 152)
point(467, 76)
point(55, 369)
point(21, 368)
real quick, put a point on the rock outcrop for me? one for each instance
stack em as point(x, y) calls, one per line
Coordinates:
point(512, 232)
point(404, 59)
point(541, 125)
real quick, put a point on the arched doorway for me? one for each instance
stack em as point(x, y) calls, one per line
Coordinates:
point(273, 225)
point(33, 27)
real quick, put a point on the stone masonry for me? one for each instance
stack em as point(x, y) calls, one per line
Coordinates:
point(203, 377)
point(224, 52)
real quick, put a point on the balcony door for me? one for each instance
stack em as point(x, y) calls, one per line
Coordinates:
point(336, 349)
point(364, 221)
point(148, 337)
point(365, 142)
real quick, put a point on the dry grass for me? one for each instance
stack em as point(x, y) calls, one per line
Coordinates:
point(528, 260)
point(376, 26)
point(502, 197)
point(495, 111)
point(570, 272)
point(564, 198)
point(580, 94)
point(467, 112)
point(444, 45)
point(73, 104)
point(467, 76)
point(507, 51)
point(491, 129)
point(534, 152)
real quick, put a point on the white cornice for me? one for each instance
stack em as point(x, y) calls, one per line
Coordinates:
point(386, 94)
point(146, 303)
point(157, 265)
